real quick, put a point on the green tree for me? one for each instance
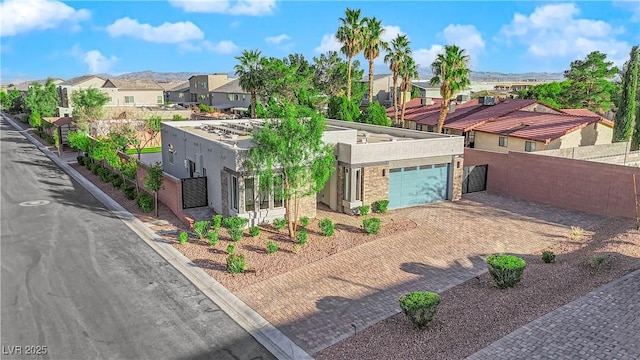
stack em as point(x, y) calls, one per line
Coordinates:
point(590, 83)
point(626, 108)
point(450, 71)
point(129, 170)
point(330, 74)
point(375, 114)
point(290, 159)
point(88, 106)
point(79, 140)
point(42, 100)
point(341, 108)
point(552, 94)
point(350, 35)
point(408, 71)
point(399, 51)
point(8, 100)
point(128, 135)
point(288, 80)
point(250, 75)
point(372, 44)
point(153, 182)
point(415, 92)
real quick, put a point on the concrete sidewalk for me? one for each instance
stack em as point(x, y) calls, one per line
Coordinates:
point(265, 333)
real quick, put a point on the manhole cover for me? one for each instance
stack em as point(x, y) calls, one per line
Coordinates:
point(34, 203)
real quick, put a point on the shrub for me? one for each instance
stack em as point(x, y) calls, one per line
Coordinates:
point(381, 206)
point(213, 237)
point(235, 263)
point(304, 221)
point(548, 257)
point(236, 234)
point(576, 233)
point(364, 210)
point(216, 222)
point(302, 236)
point(235, 222)
point(272, 247)
point(94, 168)
point(177, 117)
point(371, 226)
point(87, 162)
point(104, 174)
point(597, 263)
point(129, 191)
point(420, 307)
point(183, 237)
point(145, 202)
point(80, 160)
point(231, 249)
point(254, 231)
point(201, 228)
point(506, 270)
point(279, 223)
point(117, 181)
point(327, 228)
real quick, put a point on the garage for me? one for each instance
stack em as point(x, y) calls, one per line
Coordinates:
point(415, 185)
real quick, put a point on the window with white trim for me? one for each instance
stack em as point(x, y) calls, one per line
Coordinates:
point(249, 195)
point(502, 141)
point(529, 146)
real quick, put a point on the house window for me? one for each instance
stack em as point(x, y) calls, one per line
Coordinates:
point(358, 184)
point(160, 101)
point(230, 97)
point(128, 99)
point(529, 146)
point(419, 127)
point(264, 200)
point(181, 95)
point(278, 200)
point(237, 97)
point(431, 128)
point(249, 195)
point(347, 185)
point(170, 154)
point(244, 97)
point(203, 85)
point(234, 193)
point(502, 141)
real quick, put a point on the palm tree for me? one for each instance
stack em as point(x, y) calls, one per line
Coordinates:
point(408, 71)
point(372, 44)
point(248, 70)
point(451, 71)
point(399, 51)
point(350, 35)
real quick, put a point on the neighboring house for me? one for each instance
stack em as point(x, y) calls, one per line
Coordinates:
point(66, 89)
point(24, 86)
point(382, 89)
point(433, 91)
point(178, 94)
point(230, 97)
point(406, 167)
point(200, 86)
point(133, 92)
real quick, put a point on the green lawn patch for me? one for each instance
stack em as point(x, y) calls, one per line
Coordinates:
point(145, 150)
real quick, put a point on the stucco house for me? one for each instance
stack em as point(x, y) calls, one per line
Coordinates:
point(372, 163)
point(66, 89)
point(382, 89)
point(230, 97)
point(200, 86)
point(179, 94)
point(133, 92)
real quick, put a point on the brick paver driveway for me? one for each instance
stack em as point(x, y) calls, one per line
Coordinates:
point(326, 301)
point(603, 324)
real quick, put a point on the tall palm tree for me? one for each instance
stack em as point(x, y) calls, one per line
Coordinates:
point(399, 51)
point(408, 71)
point(450, 71)
point(248, 70)
point(350, 35)
point(372, 45)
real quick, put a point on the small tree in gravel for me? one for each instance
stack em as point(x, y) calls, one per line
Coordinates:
point(153, 181)
point(506, 270)
point(201, 228)
point(420, 307)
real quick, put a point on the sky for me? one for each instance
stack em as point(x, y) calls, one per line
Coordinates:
point(41, 38)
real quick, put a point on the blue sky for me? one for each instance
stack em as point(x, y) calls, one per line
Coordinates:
point(40, 38)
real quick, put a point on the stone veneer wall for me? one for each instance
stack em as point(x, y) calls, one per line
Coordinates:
point(224, 188)
point(308, 206)
point(458, 169)
point(375, 186)
point(340, 187)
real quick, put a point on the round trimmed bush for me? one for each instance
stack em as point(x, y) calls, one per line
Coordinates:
point(420, 307)
point(506, 270)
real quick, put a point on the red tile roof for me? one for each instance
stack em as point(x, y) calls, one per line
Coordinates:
point(536, 126)
point(587, 112)
point(413, 108)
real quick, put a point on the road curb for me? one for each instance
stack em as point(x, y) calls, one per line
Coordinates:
point(264, 332)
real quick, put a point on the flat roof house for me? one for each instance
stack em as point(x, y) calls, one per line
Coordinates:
point(372, 163)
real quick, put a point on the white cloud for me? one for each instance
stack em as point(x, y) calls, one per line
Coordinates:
point(465, 36)
point(424, 57)
point(328, 43)
point(234, 7)
point(98, 63)
point(556, 31)
point(169, 33)
point(277, 39)
point(22, 16)
point(223, 47)
point(390, 32)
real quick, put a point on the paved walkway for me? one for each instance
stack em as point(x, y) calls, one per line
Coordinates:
point(604, 324)
point(321, 303)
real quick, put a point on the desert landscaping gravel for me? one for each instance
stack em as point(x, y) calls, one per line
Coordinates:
point(474, 314)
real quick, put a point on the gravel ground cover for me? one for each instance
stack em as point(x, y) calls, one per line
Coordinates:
point(474, 314)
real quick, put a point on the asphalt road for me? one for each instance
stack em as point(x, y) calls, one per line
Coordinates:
point(77, 280)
